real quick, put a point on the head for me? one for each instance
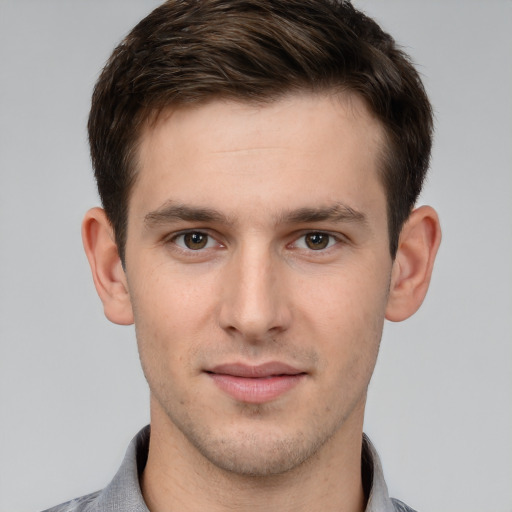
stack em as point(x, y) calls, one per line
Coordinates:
point(258, 163)
point(190, 52)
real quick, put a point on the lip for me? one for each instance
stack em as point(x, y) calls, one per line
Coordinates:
point(255, 384)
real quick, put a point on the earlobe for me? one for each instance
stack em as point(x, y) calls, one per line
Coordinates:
point(412, 268)
point(107, 271)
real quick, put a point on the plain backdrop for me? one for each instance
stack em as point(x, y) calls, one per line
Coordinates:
point(72, 394)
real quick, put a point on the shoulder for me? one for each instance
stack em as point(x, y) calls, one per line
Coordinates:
point(400, 506)
point(123, 493)
point(86, 503)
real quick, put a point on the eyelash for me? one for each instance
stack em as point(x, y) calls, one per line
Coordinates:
point(332, 240)
point(174, 239)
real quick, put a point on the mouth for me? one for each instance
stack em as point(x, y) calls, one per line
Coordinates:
point(255, 384)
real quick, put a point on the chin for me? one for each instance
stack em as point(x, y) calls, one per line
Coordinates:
point(258, 454)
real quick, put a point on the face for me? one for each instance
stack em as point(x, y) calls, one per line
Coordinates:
point(258, 268)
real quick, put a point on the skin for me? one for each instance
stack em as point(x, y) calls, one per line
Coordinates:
point(295, 269)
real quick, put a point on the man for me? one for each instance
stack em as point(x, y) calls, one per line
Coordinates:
point(258, 164)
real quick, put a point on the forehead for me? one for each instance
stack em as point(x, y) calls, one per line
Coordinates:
point(299, 148)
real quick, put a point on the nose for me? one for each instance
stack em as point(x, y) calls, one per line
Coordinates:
point(254, 302)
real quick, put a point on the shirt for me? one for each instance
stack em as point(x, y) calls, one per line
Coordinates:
point(123, 494)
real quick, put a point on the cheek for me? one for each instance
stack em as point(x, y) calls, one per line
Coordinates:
point(345, 299)
point(172, 315)
point(346, 312)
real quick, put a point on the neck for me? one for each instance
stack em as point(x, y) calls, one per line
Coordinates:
point(178, 477)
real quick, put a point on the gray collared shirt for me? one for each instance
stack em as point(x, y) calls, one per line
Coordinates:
point(123, 494)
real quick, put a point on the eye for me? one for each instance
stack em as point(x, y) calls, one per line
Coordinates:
point(315, 241)
point(194, 241)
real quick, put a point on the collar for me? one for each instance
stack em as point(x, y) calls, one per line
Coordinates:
point(373, 480)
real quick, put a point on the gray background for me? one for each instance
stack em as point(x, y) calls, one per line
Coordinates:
point(72, 394)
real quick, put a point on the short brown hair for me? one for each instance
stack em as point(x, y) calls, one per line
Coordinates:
point(190, 51)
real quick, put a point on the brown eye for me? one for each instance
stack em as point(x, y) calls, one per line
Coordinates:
point(317, 241)
point(195, 240)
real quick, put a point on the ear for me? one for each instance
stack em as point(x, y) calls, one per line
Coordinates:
point(107, 271)
point(412, 268)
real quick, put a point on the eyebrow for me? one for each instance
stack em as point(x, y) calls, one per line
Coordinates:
point(173, 212)
point(335, 213)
